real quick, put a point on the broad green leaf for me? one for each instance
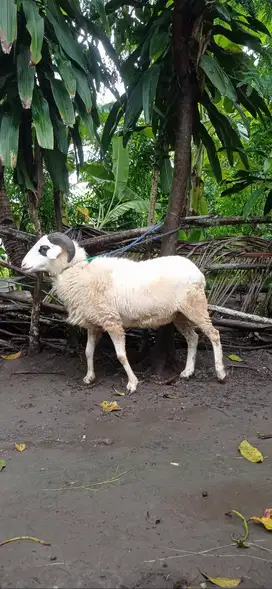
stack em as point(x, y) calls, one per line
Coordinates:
point(8, 24)
point(9, 137)
point(134, 107)
point(83, 88)
point(64, 34)
point(98, 171)
point(100, 7)
point(41, 120)
point(257, 25)
point(239, 36)
point(251, 201)
point(217, 76)
point(60, 132)
point(55, 162)
point(120, 164)
point(150, 81)
point(194, 235)
point(25, 77)
point(22, 173)
point(87, 120)
point(268, 203)
point(166, 175)
point(237, 187)
point(228, 105)
point(63, 101)
point(222, 12)
point(138, 206)
point(182, 235)
point(77, 143)
point(112, 121)
point(67, 74)
point(2, 464)
point(249, 452)
point(159, 42)
point(267, 164)
point(35, 27)
point(211, 152)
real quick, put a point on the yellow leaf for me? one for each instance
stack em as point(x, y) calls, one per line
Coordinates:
point(235, 358)
point(222, 581)
point(109, 406)
point(119, 393)
point(266, 519)
point(20, 447)
point(12, 356)
point(84, 212)
point(2, 464)
point(249, 452)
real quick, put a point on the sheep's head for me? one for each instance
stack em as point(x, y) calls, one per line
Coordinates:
point(52, 253)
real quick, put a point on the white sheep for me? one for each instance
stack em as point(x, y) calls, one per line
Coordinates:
point(112, 294)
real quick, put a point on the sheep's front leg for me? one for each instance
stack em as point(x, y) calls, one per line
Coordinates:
point(117, 336)
point(94, 335)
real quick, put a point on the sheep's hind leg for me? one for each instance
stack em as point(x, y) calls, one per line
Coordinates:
point(94, 335)
point(195, 308)
point(118, 339)
point(185, 327)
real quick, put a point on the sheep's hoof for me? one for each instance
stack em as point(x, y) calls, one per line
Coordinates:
point(88, 378)
point(132, 386)
point(186, 374)
point(222, 376)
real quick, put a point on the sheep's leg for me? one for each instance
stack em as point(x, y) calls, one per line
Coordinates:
point(118, 339)
point(186, 329)
point(195, 307)
point(94, 335)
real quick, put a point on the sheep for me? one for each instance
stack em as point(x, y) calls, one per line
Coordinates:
point(111, 294)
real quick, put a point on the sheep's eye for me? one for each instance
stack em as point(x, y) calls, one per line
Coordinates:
point(43, 249)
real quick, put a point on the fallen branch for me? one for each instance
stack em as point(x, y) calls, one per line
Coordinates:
point(240, 314)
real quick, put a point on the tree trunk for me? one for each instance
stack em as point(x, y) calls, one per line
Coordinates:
point(14, 249)
point(58, 209)
point(153, 196)
point(183, 25)
point(34, 199)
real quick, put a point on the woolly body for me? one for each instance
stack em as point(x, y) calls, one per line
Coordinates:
point(111, 294)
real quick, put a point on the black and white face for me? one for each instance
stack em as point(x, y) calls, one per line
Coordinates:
point(41, 255)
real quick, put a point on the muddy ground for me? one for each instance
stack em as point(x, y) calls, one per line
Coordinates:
point(172, 456)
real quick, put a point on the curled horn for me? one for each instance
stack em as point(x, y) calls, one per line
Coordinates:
point(63, 241)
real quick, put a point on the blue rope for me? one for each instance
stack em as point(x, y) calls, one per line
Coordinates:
point(130, 245)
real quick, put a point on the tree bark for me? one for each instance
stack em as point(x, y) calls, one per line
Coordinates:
point(153, 195)
point(183, 25)
point(58, 209)
point(34, 199)
point(14, 249)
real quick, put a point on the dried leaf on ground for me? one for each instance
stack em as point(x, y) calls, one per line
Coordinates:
point(20, 447)
point(109, 406)
point(249, 452)
point(12, 356)
point(25, 538)
point(2, 464)
point(265, 519)
point(222, 581)
point(235, 358)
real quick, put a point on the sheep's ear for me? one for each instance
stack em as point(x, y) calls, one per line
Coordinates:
point(54, 252)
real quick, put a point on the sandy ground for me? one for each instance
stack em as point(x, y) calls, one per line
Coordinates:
point(167, 463)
